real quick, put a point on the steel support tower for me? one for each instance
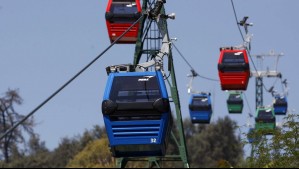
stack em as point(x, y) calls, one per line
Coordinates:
point(259, 75)
point(153, 33)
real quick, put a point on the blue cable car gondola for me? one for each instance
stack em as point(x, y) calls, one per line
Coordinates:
point(280, 105)
point(200, 108)
point(137, 114)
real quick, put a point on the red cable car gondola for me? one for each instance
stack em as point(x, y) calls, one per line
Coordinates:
point(233, 67)
point(120, 14)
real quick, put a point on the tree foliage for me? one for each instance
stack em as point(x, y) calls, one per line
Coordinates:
point(70, 147)
point(95, 155)
point(278, 150)
point(214, 145)
point(35, 156)
point(8, 118)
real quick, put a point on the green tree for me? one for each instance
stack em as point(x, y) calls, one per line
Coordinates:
point(70, 147)
point(212, 145)
point(36, 156)
point(280, 149)
point(8, 118)
point(95, 155)
point(66, 150)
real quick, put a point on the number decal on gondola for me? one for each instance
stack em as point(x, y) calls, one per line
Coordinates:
point(153, 140)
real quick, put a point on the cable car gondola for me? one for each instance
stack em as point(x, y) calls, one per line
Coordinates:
point(137, 114)
point(235, 102)
point(200, 108)
point(120, 15)
point(280, 105)
point(233, 69)
point(265, 119)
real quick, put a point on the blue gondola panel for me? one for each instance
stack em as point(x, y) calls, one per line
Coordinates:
point(137, 114)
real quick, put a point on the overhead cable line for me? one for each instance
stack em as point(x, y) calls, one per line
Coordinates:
point(192, 69)
point(237, 20)
point(69, 81)
point(248, 50)
point(242, 36)
point(248, 105)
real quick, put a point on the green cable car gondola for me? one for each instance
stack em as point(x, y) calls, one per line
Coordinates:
point(235, 102)
point(265, 120)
